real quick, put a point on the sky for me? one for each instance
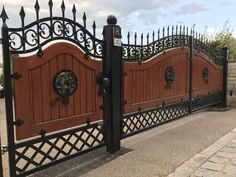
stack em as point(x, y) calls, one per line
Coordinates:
point(135, 15)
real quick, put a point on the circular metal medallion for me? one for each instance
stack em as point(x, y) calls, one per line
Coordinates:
point(65, 83)
point(205, 74)
point(169, 75)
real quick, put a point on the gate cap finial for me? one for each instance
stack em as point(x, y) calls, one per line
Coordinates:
point(111, 20)
point(3, 15)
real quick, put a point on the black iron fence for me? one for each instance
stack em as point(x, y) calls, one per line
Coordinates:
point(31, 155)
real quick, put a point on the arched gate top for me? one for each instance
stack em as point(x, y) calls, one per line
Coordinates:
point(32, 37)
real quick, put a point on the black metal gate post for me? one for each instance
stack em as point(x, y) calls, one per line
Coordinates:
point(8, 95)
point(112, 69)
point(225, 77)
point(190, 73)
point(1, 169)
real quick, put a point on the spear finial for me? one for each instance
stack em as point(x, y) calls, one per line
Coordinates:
point(3, 15)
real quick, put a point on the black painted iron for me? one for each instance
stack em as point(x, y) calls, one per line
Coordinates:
point(65, 83)
point(205, 74)
point(112, 100)
point(169, 75)
point(179, 37)
point(34, 36)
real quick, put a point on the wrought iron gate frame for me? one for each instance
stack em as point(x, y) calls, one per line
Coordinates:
point(143, 119)
point(33, 37)
point(113, 53)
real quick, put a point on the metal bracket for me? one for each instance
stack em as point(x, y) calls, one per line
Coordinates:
point(16, 75)
point(18, 122)
point(4, 149)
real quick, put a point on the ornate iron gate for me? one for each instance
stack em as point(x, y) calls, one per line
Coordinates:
point(80, 93)
point(170, 77)
point(59, 76)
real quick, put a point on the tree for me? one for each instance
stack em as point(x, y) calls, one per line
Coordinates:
point(224, 38)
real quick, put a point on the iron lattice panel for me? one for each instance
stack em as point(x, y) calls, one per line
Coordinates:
point(142, 120)
point(44, 151)
point(206, 101)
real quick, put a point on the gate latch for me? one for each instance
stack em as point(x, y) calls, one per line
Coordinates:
point(4, 149)
point(104, 83)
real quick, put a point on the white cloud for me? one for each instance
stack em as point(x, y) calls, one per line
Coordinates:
point(191, 8)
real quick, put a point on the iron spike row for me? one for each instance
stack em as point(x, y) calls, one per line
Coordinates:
point(3, 15)
point(176, 30)
point(128, 38)
point(94, 28)
point(84, 19)
point(142, 39)
point(172, 30)
point(63, 8)
point(153, 36)
point(37, 7)
point(184, 30)
point(135, 38)
point(147, 38)
point(180, 30)
point(163, 32)
point(74, 12)
point(50, 4)
point(158, 33)
point(187, 31)
point(22, 16)
point(168, 30)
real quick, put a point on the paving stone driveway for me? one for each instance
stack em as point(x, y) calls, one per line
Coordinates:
point(218, 160)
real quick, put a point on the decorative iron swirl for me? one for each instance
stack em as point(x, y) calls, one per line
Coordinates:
point(34, 36)
point(135, 53)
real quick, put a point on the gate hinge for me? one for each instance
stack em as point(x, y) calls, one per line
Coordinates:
point(4, 149)
point(16, 75)
point(18, 122)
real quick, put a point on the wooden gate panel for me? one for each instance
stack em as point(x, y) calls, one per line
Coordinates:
point(35, 90)
point(214, 82)
point(145, 85)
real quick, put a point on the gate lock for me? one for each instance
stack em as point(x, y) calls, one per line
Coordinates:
point(104, 83)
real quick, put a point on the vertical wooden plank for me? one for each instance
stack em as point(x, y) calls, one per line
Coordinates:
point(83, 100)
point(37, 95)
point(61, 66)
point(94, 91)
point(70, 106)
point(45, 92)
point(53, 102)
point(77, 94)
point(89, 92)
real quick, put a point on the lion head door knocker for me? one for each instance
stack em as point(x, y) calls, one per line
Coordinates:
point(65, 84)
point(169, 75)
point(205, 74)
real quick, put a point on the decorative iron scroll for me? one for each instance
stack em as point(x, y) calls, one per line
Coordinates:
point(65, 83)
point(32, 37)
point(169, 75)
point(205, 74)
point(178, 37)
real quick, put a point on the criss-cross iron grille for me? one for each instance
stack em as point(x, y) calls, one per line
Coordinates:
point(205, 101)
point(139, 121)
point(44, 151)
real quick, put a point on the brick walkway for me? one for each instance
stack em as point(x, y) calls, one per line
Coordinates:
point(218, 160)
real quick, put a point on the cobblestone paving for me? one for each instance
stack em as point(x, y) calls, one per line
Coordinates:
point(218, 160)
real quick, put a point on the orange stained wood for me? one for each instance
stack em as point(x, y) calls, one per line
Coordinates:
point(215, 75)
point(145, 85)
point(36, 100)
